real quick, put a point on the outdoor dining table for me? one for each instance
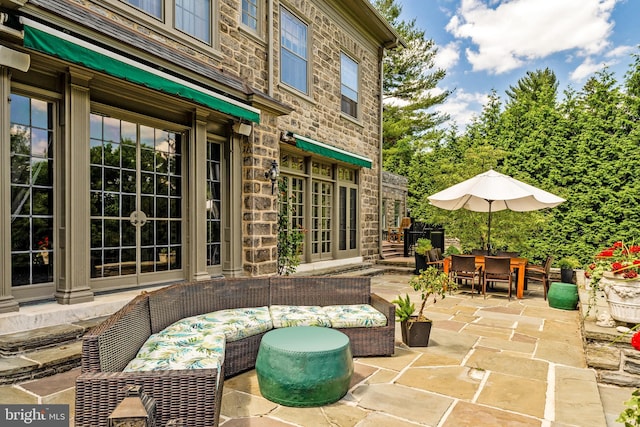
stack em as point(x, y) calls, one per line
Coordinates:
point(516, 263)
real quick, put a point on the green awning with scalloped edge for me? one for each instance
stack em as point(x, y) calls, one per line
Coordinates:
point(322, 149)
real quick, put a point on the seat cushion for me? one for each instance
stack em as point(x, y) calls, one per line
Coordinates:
point(298, 315)
point(235, 323)
point(179, 350)
point(354, 316)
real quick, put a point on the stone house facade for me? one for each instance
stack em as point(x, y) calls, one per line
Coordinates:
point(139, 139)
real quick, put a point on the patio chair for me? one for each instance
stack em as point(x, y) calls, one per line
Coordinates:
point(538, 273)
point(463, 267)
point(435, 258)
point(396, 234)
point(509, 254)
point(497, 270)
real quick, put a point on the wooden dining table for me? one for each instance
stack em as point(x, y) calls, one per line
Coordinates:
point(516, 264)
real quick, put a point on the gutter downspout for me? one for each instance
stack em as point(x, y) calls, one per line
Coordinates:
point(270, 48)
point(381, 141)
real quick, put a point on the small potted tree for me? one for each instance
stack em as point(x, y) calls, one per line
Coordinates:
point(422, 247)
point(567, 265)
point(416, 329)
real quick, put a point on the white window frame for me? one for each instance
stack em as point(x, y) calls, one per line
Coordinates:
point(166, 24)
point(245, 6)
point(305, 59)
point(345, 61)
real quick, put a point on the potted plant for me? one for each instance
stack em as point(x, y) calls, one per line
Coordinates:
point(422, 247)
point(416, 329)
point(567, 265)
point(615, 271)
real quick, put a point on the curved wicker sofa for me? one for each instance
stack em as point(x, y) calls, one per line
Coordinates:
point(193, 396)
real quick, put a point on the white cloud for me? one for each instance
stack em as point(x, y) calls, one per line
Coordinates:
point(584, 70)
point(463, 106)
point(517, 31)
point(447, 56)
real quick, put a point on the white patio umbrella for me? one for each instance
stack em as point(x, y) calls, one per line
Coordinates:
point(492, 191)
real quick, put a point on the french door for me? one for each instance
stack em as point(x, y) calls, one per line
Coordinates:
point(136, 202)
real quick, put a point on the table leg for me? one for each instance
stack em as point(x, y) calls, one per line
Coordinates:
point(520, 285)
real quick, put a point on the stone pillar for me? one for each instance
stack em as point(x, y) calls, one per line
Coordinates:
point(73, 212)
point(7, 302)
point(197, 240)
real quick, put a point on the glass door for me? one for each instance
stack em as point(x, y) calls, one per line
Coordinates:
point(136, 202)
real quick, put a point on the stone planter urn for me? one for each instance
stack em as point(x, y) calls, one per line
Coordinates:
point(623, 297)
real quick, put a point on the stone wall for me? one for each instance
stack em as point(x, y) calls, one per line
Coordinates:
point(608, 350)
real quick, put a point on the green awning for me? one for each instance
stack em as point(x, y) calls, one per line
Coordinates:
point(317, 147)
point(69, 48)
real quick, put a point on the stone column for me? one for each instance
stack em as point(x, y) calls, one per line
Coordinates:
point(7, 302)
point(74, 230)
point(197, 238)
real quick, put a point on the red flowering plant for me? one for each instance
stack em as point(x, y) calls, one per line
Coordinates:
point(620, 259)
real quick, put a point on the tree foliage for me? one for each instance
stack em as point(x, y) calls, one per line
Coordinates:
point(410, 82)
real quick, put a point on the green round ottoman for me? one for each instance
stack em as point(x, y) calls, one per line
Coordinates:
point(563, 296)
point(304, 365)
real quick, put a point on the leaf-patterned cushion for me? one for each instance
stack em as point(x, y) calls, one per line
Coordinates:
point(298, 315)
point(179, 350)
point(354, 316)
point(237, 323)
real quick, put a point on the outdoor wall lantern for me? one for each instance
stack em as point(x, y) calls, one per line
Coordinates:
point(273, 174)
point(137, 409)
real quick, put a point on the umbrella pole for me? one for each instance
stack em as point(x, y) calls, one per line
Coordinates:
point(489, 230)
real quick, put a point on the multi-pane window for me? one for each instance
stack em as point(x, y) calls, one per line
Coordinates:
point(293, 51)
point(31, 191)
point(250, 14)
point(348, 209)
point(135, 199)
point(321, 217)
point(152, 7)
point(194, 18)
point(349, 85)
point(213, 204)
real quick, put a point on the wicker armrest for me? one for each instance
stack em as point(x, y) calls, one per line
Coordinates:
point(192, 395)
point(384, 307)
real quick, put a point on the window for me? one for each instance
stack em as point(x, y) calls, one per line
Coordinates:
point(152, 7)
point(194, 18)
point(213, 204)
point(250, 14)
point(349, 85)
point(191, 20)
point(293, 51)
point(31, 191)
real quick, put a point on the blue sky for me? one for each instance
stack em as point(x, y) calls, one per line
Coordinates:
point(490, 44)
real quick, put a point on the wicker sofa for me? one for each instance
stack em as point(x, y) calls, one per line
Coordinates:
point(193, 396)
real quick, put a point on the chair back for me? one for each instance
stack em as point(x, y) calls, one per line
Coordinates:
point(463, 263)
point(433, 255)
point(547, 264)
point(405, 223)
point(497, 265)
point(508, 254)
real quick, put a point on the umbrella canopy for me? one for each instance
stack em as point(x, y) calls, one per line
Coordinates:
point(492, 191)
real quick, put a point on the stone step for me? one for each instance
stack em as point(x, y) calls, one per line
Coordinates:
point(42, 352)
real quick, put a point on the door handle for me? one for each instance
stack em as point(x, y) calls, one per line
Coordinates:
point(138, 218)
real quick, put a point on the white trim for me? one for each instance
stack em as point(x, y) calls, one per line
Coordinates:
point(117, 57)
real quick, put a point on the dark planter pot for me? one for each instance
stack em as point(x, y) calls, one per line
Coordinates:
point(563, 296)
point(421, 263)
point(414, 333)
point(566, 275)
